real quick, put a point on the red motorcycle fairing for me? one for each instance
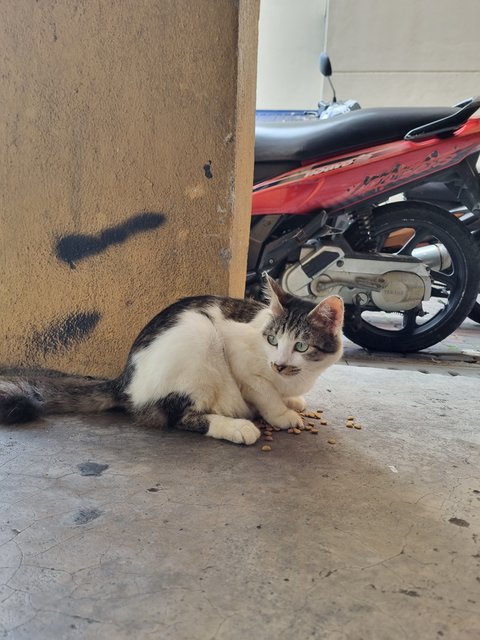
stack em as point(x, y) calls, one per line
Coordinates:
point(349, 179)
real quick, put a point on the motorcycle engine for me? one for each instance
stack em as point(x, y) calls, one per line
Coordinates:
point(401, 290)
point(386, 282)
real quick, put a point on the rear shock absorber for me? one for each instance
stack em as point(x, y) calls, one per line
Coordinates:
point(366, 234)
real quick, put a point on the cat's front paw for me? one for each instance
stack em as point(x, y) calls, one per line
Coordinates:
point(287, 420)
point(296, 403)
point(234, 430)
point(245, 432)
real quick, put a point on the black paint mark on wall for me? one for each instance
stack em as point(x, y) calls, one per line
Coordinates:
point(72, 248)
point(62, 334)
point(207, 169)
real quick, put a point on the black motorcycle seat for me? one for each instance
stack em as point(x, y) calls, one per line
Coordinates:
point(314, 139)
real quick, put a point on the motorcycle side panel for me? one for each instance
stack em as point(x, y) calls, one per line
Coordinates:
point(346, 180)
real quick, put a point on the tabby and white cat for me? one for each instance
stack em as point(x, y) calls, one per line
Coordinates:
point(206, 364)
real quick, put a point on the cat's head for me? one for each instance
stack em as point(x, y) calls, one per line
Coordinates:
point(301, 336)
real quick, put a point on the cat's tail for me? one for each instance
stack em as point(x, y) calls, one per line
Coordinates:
point(24, 400)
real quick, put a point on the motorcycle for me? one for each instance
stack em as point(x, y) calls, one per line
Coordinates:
point(407, 271)
point(448, 196)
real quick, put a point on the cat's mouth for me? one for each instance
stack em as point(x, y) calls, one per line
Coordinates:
point(285, 371)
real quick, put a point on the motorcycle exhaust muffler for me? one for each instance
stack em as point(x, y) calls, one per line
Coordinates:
point(435, 256)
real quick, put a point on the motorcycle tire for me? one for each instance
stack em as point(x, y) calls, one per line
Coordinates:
point(431, 223)
point(475, 312)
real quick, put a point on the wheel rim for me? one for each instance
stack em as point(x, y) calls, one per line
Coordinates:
point(401, 238)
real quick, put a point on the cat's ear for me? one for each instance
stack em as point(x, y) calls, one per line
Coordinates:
point(328, 314)
point(275, 294)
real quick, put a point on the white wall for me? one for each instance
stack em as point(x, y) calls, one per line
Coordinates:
point(291, 35)
point(413, 52)
point(384, 52)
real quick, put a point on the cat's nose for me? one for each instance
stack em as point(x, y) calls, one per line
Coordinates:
point(279, 367)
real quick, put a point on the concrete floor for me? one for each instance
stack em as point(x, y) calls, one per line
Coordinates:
point(459, 354)
point(111, 532)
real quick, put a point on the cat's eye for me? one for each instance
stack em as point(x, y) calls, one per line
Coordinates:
point(272, 340)
point(301, 347)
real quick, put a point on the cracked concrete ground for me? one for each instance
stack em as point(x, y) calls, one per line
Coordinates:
point(110, 531)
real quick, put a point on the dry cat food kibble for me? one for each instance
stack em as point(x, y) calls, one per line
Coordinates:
point(308, 426)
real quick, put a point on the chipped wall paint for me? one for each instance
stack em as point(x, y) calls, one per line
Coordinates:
point(207, 168)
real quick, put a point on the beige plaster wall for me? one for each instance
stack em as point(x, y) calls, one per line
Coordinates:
point(127, 130)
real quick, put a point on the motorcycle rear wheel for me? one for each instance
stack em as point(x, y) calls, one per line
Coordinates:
point(475, 312)
point(454, 288)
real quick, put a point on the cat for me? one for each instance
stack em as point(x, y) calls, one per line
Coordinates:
point(206, 364)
